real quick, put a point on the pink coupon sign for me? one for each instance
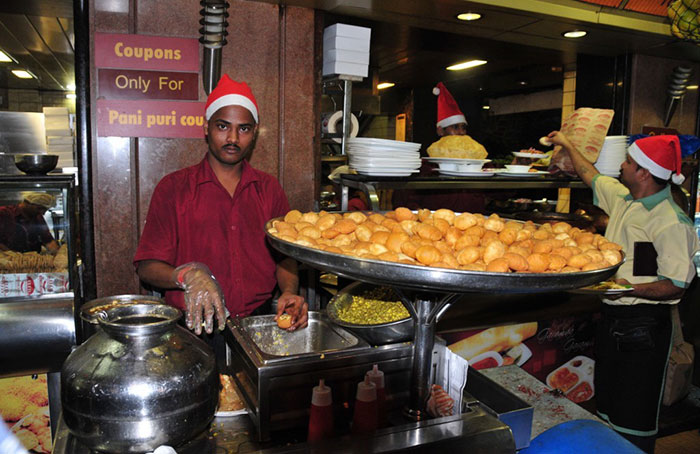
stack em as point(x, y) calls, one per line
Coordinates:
point(125, 51)
point(122, 118)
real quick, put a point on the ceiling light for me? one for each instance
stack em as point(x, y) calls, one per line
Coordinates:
point(522, 82)
point(22, 74)
point(70, 96)
point(574, 34)
point(70, 87)
point(466, 65)
point(384, 85)
point(469, 16)
point(4, 58)
point(691, 87)
point(486, 107)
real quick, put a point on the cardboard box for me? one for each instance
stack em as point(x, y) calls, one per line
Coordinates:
point(348, 56)
point(351, 31)
point(348, 69)
point(346, 43)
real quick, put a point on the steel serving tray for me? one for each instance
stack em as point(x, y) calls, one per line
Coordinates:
point(437, 279)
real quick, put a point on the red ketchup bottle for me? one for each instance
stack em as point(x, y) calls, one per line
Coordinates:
point(321, 413)
point(364, 419)
point(376, 376)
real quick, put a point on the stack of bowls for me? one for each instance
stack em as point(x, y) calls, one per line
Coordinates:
point(611, 155)
point(383, 157)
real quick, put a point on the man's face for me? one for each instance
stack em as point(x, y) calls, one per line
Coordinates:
point(629, 171)
point(460, 129)
point(231, 134)
point(31, 210)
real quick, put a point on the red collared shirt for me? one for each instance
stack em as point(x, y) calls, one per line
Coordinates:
point(192, 218)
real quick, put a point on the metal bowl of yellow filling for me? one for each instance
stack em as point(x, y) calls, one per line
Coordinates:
point(372, 312)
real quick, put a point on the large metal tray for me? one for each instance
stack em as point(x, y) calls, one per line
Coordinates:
point(436, 279)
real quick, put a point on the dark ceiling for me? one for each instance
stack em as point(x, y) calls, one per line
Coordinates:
point(38, 34)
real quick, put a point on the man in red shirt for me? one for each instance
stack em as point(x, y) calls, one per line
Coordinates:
point(208, 220)
point(22, 226)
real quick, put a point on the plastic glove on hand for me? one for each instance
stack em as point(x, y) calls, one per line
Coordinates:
point(203, 297)
point(295, 306)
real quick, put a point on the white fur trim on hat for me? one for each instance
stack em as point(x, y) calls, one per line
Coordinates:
point(453, 120)
point(436, 91)
point(232, 100)
point(658, 171)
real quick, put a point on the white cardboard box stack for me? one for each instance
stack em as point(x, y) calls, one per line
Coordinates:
point(59, 135)
point(346, 50)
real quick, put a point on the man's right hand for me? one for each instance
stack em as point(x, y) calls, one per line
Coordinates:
point(203, 297)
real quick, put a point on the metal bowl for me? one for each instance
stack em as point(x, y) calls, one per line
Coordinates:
point(36, 164)
point(385, 333)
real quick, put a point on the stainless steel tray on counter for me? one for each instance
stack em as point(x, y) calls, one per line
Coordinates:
point(437, 279)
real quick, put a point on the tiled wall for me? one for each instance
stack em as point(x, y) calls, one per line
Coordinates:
point(35, 101)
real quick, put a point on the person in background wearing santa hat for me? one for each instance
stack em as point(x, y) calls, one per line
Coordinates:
point(204, 240)
point(451, 120)
point(633, 340)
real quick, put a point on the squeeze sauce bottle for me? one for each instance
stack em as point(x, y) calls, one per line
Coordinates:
point(321, 413)
point(365, 417)
point(376, 376)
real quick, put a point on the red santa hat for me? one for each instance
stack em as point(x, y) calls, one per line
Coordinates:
point(661, 155)
point(231, 93)
point(448, 112)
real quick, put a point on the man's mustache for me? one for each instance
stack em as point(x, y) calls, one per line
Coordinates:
point(232, 147)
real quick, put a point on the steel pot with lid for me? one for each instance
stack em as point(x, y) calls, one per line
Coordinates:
point(141, 381)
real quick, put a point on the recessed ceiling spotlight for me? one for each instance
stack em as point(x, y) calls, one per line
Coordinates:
point(4, 58)
point(384, 85)
point(466, 65)
point(522, 82)
point(22, 74)
point(70, 96)
point(574, 34)
point(691, 87)
point(469, 16)
point(70, 87)
point(487, 107)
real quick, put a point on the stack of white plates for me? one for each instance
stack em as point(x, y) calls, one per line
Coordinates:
point(383, 157)
point(612, 155)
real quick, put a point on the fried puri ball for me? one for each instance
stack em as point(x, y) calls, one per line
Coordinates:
point(292, 217)
point(376, 218)
point(409, 226)
point(301, 225)
point(524, 252)
point(608, 245)
point(469, 254)
point(429, 232)
point(564, 252)
point(516, 262)
point(409, 248)
point(542, 234)
point(390, 215)
point(330, 233)
point(523, 234)
point(595, 255)
point(443, 247)
point(499, 265)
point(561, 227)
point(579, 261)
point(584, 238)
point(452, 235)
point(441, 224)
point(477, 266)
point(488, 237)
point(325, 222)
point(377, 249)
point(390, 223)
point(556, 262)
point(445, 214)
point(466, 240)
point(476, 230)
point(363, 232)
point(424, 214)
point(464, 221)
point(395, 240)
point(404, 214)
point(311, 232)
point(542, 247)
point(569, 269)
point(611, 256)
point(428, 254)
point(494, 223)
point(357, 217)
point(508, 236)
point(379, 237)
point(538, 263)
point(309, 217)
point(594, 266)
point(345, 226)
point(494, 250)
